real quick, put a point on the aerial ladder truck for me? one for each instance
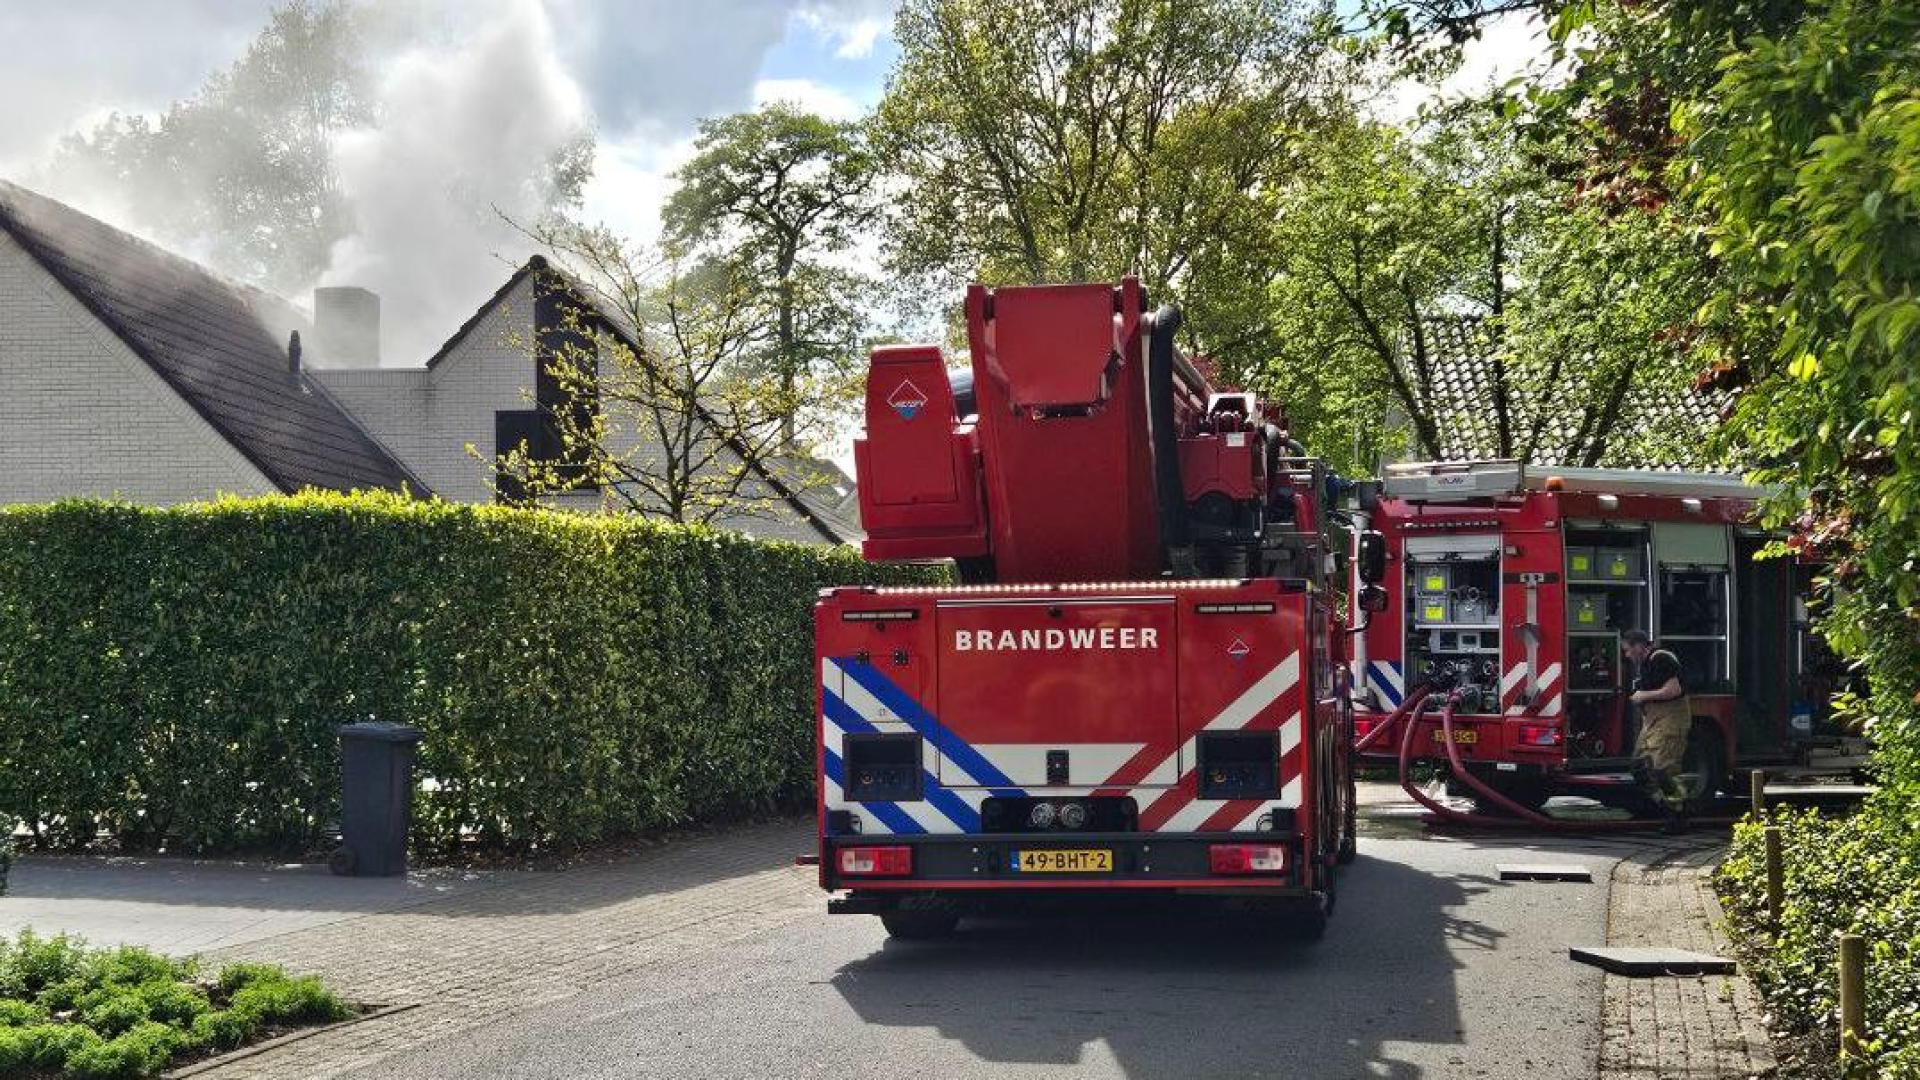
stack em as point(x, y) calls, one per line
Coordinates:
point(1138, 683)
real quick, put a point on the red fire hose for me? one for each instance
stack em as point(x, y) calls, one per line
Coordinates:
point(1522, 815)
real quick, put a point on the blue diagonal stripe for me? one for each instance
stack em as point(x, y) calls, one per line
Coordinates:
point(844, 717)
point(953, 806)
point(1378, 677)
point(956, 750)
point(890, 814)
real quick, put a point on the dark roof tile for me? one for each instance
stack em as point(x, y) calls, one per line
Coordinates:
point(220, 345)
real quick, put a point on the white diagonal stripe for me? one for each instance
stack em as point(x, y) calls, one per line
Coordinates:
point(1290, 794)
point(1189, 817)
point(1258, 696)
point(1290, 735)
point(1512, 679)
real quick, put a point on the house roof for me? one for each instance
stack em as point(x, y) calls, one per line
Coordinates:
point(1657, 427)
point(220, 345)
point(794, 479)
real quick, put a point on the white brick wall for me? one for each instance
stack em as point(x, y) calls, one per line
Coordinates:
point(81, 415)
point(426, 418)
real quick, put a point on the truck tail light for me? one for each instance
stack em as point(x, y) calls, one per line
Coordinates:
point(1247, 858)
point(1539, 734)
point(892, 861)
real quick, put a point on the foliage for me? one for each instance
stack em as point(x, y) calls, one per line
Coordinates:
point(176, 677)
point(126, 1012)
point(1033, 141)
point(1406, 247)
point(663, 401)
point(777, 190)
point(1802, 159)
point(1861, 875)
point(8, 826)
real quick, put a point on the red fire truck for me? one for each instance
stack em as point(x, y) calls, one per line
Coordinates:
point(1510, 586)
point(1139, 684)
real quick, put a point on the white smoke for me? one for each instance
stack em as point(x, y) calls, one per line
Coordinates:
point(467, 126)
point(472, 99)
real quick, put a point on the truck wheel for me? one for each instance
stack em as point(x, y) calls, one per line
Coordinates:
point(1530, 792)
point(919, 925)
point(1704, 769)
point(1307, 920)
point(1349, 848)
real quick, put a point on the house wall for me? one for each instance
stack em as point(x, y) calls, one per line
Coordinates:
point(427, 417)
point(82, 415)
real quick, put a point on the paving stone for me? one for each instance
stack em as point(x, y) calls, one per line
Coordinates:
point(1704, 1027)
point(1644, 962)
point(1543, 872)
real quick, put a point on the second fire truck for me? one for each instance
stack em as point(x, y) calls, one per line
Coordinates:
point(1509, 587)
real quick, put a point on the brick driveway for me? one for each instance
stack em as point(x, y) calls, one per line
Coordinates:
point(471, 959)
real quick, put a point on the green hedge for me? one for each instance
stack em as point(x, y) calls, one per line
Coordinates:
point(175, 677)
point(1858, 874)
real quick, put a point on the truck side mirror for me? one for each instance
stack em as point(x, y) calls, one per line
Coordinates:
point(1372, 556)
point(1373, 599)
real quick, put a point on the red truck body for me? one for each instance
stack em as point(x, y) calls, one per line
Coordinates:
point(1138, 685)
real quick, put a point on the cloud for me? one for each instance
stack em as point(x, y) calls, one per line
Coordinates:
point(1510, 46)
point(655, 66)
point(851, 26)
point(809, 95)
point(68, 65)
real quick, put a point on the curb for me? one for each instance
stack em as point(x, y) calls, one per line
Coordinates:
point(245, 1052)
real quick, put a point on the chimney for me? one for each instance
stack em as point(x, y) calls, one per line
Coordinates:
point(346, 325)
point(293, 356)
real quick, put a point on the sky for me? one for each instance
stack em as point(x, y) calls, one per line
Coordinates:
point(470, 92)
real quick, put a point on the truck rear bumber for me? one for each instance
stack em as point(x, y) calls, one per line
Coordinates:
point(1138, 736)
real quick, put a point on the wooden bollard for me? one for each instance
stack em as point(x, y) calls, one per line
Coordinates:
point(1775, 878)
point(1757, 780)
point(1853, 994)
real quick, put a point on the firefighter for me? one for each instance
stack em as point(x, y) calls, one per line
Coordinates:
point(1665, 718)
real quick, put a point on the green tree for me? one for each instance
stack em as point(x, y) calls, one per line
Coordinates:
point(1039, 141)
point(779, 190)
point(1404, 248)
point(1802, 161)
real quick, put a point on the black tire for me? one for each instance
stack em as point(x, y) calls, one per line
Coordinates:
point(1307, 920)
point(1349, 848)
point(1704, 770)
point(342, 862)
point(919, 925)
point(1531, 792)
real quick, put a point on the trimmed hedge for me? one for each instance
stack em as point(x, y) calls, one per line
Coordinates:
point(175, 677)
point(1857, 874)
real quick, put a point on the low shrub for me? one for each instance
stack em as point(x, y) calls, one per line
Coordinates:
point(1857, 874)
point(113, 1014)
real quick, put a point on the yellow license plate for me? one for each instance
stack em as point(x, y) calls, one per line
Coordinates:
point(1077, 861)
point(1463, 736)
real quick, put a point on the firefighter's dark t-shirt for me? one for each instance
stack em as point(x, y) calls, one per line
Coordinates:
point(1660, 667)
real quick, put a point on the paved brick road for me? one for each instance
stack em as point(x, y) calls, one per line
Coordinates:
point(468, 960)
